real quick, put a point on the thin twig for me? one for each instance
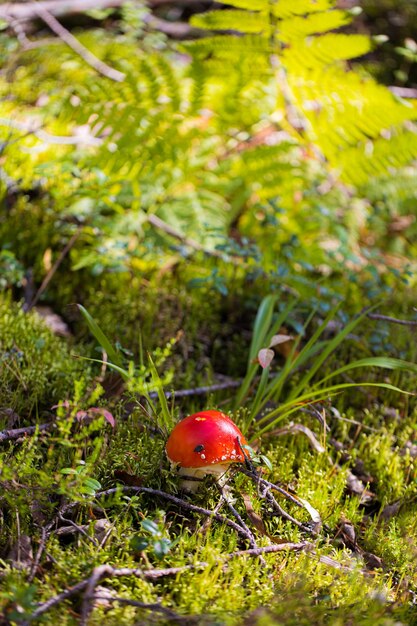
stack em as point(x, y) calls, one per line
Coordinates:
point(27, 11)
point(266, 493)
point(175, 500)
point(156, 221)
point(17, 433)
point(20, 33)
point(105, 571)
point(403, 92)
point(31, 128)
point(154, 607)
point(60, 597)
point(241, 523)
point(79, 529)
point(273, 486)
point(200, 391)
point(392, 320)
point(176, 30)
point(40, 550)
point(66, 508)
point(272, 501)
point(277, 547)
point(55, 266)
point(77, 47)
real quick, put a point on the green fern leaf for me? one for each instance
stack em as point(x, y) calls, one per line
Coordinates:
point(299, 7)
point(239, 21)
point(250, 5)
point(332, 47)
point(300, 27)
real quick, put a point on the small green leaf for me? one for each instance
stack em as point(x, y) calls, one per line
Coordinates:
point(92, 483)
point(88, 491)
point(138, 543)
point(150, 526)
point(161, 547)
point(266, 461)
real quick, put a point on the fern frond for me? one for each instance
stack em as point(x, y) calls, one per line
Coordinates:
point(301, 27)
point(364, 162)
point(239, 21)
point(284, 10)
point(250, 5)
point(227, 47)
point(169, 80)
point(331, 48)
point(198, 84)
point(346, 113)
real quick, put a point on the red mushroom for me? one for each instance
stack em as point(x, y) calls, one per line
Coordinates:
point(204, 443)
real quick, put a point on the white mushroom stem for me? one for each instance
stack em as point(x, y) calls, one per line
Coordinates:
point(217, 469)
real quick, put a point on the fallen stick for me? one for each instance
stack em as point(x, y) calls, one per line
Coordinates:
point(77, 47)
point(16, 433)
point(29, 11)
point(391, 320)
point(107, 571)
point(175, 500)
point(23, 13)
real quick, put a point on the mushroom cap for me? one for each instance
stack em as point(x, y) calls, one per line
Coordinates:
point(205, 438)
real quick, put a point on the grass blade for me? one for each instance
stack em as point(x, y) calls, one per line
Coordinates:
point(378, 361)
point(264, 329)
point(317, 395)
point(167, 419)
point(262, 324)
point(112, 353)
point(330, 347)
point(123, 372)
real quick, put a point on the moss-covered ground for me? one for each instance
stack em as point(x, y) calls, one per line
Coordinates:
point(358, 472)
point(175, 207)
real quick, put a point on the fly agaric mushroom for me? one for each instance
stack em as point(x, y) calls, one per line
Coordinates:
point(204, 443)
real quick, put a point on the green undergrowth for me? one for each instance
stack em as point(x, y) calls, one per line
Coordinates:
point(293, 588)
point(172, 206)
point(370, 434)
point(36, 367)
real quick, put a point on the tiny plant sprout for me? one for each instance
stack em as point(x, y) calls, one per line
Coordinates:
point(204, 443)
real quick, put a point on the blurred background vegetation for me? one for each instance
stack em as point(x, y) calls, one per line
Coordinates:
point(218, 154)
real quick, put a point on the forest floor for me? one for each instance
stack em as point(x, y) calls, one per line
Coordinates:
point(293, 312)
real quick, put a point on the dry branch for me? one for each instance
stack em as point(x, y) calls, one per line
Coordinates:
point(54, 268)
point(107, 571)
point(22, 12)
point(156, 222)
point(74, 44)
point(403, 92)
point(17, 433)
point(29, 11)
point(391, 320)
point(178, 501)
point(29, 128)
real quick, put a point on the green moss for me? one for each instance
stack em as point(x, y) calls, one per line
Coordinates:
point(37, 369)
point(144, 287)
